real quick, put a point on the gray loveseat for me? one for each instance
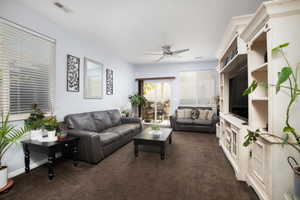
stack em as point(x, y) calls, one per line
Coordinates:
point(197, 125)
point(101, 132)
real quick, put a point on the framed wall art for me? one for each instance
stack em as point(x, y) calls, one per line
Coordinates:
point(73, 73)
point(109, 81)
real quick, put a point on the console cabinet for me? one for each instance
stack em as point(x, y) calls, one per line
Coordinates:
point(232, 133)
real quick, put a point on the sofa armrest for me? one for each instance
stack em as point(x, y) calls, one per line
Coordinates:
point(173, 121)
point(215, 119)
point(90, 148)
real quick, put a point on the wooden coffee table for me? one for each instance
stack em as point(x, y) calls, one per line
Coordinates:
point(146, 137)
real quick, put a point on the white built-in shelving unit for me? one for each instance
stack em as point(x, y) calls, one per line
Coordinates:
point(262, 165)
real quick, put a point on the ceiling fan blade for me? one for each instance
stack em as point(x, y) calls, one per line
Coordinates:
point(154, 54)
point(180, 51)
point(158, 60)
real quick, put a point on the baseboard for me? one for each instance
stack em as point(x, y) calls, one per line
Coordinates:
point(22, 170)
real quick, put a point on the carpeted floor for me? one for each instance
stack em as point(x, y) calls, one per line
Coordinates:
point(195, 169)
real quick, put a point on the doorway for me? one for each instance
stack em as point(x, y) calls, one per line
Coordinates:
point(158, 107)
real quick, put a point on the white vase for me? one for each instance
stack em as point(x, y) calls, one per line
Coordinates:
point(36, 134)
point(3, 177)
point(51, 134)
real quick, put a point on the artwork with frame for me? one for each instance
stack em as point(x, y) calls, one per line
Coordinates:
point(93, 79)
point(109, 81)
point(73, 73)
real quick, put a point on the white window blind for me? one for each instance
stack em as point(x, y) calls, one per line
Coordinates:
point(197, 88)
point(27, 70)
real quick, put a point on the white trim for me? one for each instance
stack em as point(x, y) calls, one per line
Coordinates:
point(22, 170)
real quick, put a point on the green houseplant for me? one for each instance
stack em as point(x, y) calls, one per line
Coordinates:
point(9, 135)
point(51, 125)
point(287, 80)
point(137, 100)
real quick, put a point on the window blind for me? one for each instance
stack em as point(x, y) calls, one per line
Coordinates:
point(197, 88)
point(27, 70)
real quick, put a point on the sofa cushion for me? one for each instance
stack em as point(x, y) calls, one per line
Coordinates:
point(115, 117)
point(202, 122)
point(124, 129)
point(82, 121)
point(184, 121)
point(108, 138)
point(102, 120)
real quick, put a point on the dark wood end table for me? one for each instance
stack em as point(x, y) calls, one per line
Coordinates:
point(50, 149)
point(147, 138)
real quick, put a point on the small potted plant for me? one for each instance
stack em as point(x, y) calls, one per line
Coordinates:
point(51, 125)
point(35, 116)
point(125, 113)
point(61, 135)
point(155, 130)
point(9, 135)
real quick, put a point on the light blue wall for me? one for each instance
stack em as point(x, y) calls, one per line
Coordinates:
point(68, 102)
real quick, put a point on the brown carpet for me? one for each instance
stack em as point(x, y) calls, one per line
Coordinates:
point(195, 169)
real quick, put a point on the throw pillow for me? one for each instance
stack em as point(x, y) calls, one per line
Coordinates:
point(188, 113)
point(195, 114)
point(202, 114)
point(180, 114)
point(209, 115)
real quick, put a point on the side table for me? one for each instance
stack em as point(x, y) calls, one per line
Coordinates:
point(50, 149)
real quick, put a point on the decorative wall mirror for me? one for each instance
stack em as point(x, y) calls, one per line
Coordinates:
point(93, 79)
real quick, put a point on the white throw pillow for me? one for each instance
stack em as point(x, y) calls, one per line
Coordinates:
point(209, 115)
point(180, 114)
point(203, 114)
point(188, 113)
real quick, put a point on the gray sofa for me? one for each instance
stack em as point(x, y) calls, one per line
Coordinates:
point(101, 132)
point(196, 125)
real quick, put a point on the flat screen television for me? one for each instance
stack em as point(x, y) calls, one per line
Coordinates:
point(238, 104)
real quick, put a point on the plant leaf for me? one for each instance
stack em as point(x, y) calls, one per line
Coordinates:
point(251, 88)
point(288, 129)
point(277, 48)
point(283, 76)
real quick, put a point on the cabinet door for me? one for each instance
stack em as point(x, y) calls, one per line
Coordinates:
point(257, 162)
point(234, 145)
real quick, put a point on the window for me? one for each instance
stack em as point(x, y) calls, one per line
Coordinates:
point(27, 68)
point(197, 88)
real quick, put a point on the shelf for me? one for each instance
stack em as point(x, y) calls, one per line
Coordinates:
point(261, 68)
point(259, 98)
point(232, 43)
point(237, 59)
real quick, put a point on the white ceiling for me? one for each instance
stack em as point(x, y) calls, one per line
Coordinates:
point(132, 28)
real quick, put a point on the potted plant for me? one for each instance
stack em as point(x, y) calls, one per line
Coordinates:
point(125, 113)
point(290, 135)
point(137, 100)
point(35, 116)
point(9, 135)
point(51, 125)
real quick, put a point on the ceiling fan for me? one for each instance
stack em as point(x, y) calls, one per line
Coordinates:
point(166, 52)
